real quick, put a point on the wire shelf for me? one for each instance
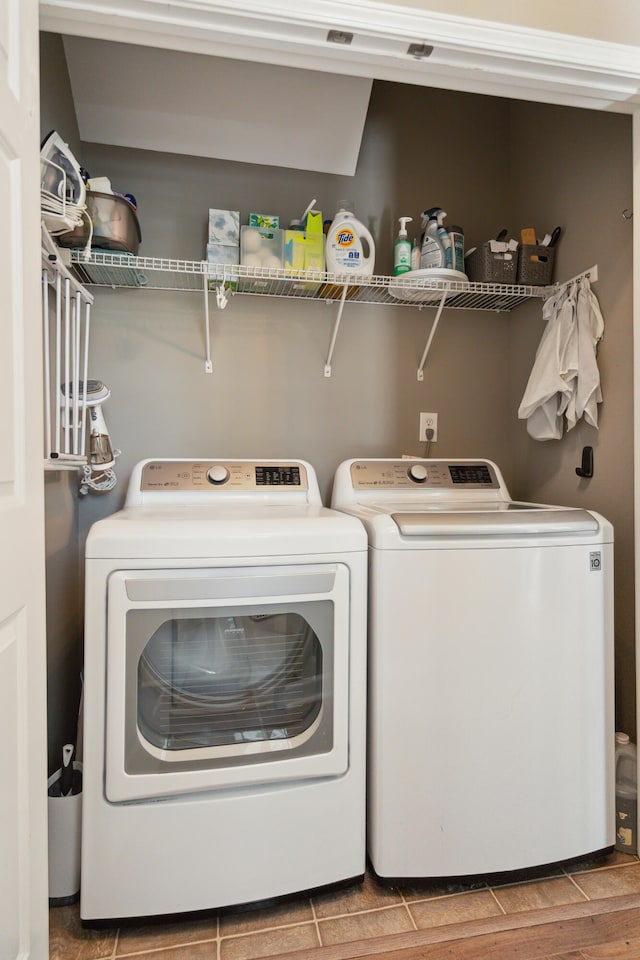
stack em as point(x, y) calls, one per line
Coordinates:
point(118, 270)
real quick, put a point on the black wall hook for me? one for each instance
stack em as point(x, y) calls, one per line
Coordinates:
point(585, 470)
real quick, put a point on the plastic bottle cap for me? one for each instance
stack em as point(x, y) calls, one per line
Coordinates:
point(622, 738)
point(403, 225)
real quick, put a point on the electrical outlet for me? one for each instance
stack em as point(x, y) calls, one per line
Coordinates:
point(428, 421)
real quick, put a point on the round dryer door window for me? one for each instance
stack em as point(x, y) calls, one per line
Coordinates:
point(225, 680)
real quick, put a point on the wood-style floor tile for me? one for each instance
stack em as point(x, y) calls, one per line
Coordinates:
point(368, 895)
point(152, 936)
point(617, 950)
point(589, 912)
point(613, 859)
point(270, 943)
point(365, 926)
point(572, 955)
point(610, 882)
point(456, 909)
point(538, 894)
point(568, 939)
point(69, 940)
point(263, 918)
point(190, 951)
point(428, 889)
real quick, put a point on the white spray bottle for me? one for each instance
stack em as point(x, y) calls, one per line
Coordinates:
point(402, 249)
point(445, 240)
point(432, 255)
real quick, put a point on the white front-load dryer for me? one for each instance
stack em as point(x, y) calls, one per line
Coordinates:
point(491, 694)
point(224, 696)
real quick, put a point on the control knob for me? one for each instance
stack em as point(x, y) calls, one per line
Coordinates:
point(418, 473)
point(217, 474)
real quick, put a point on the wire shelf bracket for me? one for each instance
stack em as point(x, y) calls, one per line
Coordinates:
point(336, 326)
point(432, 333)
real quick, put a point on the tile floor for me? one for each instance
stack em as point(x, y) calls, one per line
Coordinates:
point(359, 912)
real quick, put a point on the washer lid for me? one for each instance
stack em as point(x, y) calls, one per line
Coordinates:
point(524, 519)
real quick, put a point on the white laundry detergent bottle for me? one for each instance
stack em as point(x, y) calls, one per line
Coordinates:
point(350, 247)
point(626, 794)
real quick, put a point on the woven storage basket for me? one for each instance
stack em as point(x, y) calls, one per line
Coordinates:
point(535, 267)
point(485, 266)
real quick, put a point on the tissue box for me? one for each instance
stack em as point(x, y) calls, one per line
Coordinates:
point(224, 227)
point(261, 247)
point(268, 220)
point(221, 259)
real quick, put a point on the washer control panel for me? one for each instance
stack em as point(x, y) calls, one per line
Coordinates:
point(166, 476)
point(413, 474)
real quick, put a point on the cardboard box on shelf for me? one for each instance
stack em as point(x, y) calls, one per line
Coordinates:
point(221, 260)
point(224, 227)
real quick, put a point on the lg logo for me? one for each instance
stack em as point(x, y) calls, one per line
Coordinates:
point(595, 560)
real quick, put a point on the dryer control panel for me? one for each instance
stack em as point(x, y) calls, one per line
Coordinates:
point(430, 474)
point(176, 482)
point(209, 475)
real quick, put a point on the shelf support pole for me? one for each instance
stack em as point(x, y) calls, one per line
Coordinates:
point(434, 327)
point(208, 366)
point(47, 364)
point(327, 366)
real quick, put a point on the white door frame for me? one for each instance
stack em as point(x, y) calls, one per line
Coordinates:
point(23, 692)
point(636, 387)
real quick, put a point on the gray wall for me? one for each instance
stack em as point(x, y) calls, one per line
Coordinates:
point(491, 163)
point(577, 167)
point(268, 395)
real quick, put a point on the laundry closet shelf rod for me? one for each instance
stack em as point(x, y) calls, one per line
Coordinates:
point(116, 270)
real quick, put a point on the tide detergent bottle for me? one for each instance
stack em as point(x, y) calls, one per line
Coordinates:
point(350, 247)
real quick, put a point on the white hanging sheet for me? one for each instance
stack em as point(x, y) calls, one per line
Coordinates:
point(564, 384)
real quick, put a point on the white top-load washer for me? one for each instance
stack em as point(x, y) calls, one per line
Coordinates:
point(224, 696)
point(491, 693)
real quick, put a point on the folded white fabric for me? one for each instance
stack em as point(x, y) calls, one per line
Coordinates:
point(564, 382)
point(590, 333)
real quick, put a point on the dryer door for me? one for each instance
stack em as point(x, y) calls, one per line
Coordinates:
point(225, 677)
